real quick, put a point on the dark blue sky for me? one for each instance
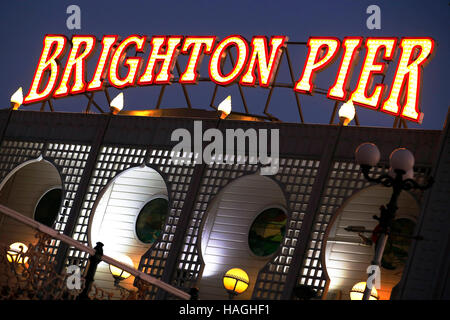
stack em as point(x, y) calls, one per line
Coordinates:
point(23, 25)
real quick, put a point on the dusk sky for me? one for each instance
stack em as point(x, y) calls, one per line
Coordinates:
point(25, 23)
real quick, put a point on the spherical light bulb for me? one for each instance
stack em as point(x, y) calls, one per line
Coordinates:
point(118, 273)
point(15, 252)
point(367, 154)
point(357, 292)
point(401, 159)
point(235, 281)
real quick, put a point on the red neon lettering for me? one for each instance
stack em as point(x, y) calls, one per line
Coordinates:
point(167, 60)
point(360, 95)
point(47, 62)
point(322, 51)
point(133, 64)
point(217, 59)
point(339, 90)
point(196, 45)
point(259, 55)
point(405, 89)
point(100, 71)
point(76, 65)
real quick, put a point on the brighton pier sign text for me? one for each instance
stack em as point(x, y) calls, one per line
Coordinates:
point(256, 64)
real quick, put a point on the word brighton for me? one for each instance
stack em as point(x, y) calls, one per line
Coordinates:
point(256, 64)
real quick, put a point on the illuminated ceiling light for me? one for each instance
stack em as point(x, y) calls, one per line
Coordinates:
point(116, 104)
point(118, 273)
point(357, 292)
point(235, 281)
point(225, 107)
point(347, 113)
point(15, 253)
point(17, 99)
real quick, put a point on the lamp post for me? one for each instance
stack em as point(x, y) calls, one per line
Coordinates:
point(94, 260)
point(399, 178)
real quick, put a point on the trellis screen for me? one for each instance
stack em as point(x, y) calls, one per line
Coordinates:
point(111, 161)
point(178, 177)
point(345, 179)
point(69, 159)
point(295, 175)
point(298, 172)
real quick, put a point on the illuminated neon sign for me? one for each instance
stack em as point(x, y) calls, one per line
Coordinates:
point(256, 64)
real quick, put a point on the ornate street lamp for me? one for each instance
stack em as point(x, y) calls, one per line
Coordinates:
point(399, 178)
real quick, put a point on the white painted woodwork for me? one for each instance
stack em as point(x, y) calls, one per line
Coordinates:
point(114, 217)
point(224, 239)
point(346, 258)
point(21, 192)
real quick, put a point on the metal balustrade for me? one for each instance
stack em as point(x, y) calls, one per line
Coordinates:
point(143, 278)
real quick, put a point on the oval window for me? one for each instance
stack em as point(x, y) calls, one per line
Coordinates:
point(267, 232)
point(150, 220)
point(48, 207)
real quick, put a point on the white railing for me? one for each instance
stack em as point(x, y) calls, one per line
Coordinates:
point(66, 239)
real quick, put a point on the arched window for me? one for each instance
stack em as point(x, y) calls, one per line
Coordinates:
point(48, 207)
point(267, 232)
point(150, 220)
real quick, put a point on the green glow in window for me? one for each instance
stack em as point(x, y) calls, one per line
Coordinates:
point(267, 232)
point(150, 221)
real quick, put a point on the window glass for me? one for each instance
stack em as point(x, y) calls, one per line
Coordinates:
point(48, 207)
point(267, 232)
point(151, 218)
